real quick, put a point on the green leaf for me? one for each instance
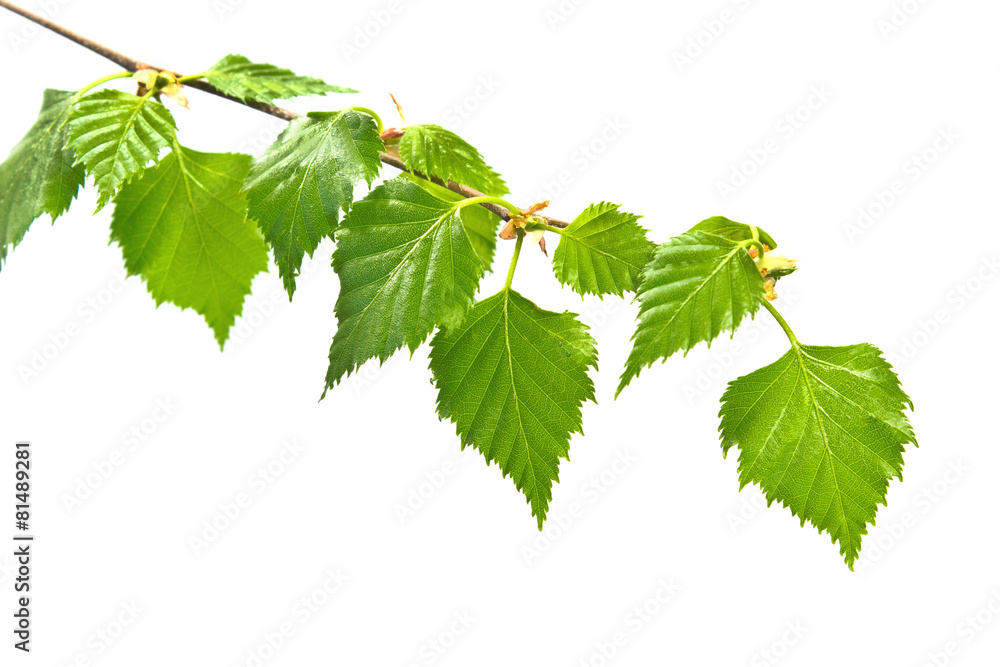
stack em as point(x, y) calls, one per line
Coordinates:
point(297, 188)
point(435, 151)
point(480, 224)
point(734, 231)
point(39, 176)
point(822, 430)
point(260, 82)
point(407, 262)
point(116, 135)
point(602, 251)
point(696, 286)
point(513, 378)
point(182, 226)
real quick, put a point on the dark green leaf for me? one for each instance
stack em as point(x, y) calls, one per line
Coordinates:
point(513, 378)
point(39, 176)
point(602, 251)
point(407, 262)
point(298, 187)
point(435, 151)
point(696, 286)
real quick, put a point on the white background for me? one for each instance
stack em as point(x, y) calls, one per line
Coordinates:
point(532, 92)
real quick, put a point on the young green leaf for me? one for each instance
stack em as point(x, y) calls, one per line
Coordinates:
point(39, 176)
point(821, 430)
point(260, 82)
point(407, 262)
point(435, 151)
point(696, 286)
point(734, 231)
point(602, 251)
point(513, 378)
point(182, 226)
point(116, 135)
point(297, 188)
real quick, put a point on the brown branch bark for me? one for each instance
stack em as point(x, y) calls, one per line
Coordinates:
point(132, 64)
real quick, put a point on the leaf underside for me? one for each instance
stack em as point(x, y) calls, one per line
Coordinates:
point(182, 226)
point(298, 187)
point(235, 75)
point(513, 378)
point(821, 430)
point(734, 231)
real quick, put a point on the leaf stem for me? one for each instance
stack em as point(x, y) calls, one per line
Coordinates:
point(754, 243)
point(513, 260)
point(544, 227)
point(781, 320)
point(487, 199)
point(110, 77)
point(378, 119)
point(190, 77)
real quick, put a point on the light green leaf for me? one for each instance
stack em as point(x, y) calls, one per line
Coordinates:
point(821, 430)
point(260, 82)
point(407, 262)
point(602, 251)
point(696, 286)
point(39, 176)
point(115, 135)
point(297, 188)
point(435, 151)
point(734, 231)
point(182, 226)
point(513, 378)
